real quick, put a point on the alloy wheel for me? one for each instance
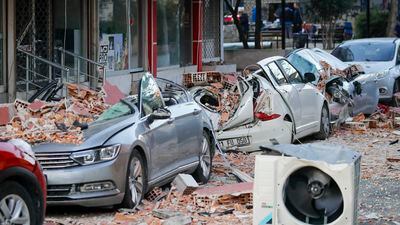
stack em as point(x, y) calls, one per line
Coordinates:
point(205, 158)
point(136, 181)
point(13, 210)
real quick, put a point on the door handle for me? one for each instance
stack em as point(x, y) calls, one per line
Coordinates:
point(170, 120)
point(196, 112)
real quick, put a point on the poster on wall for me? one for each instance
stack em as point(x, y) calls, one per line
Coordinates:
point(112, 51)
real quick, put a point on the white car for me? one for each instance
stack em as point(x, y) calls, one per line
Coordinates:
point(376, 55)
point(276, 105)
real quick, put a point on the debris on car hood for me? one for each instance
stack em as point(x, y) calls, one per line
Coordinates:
point(56, 122)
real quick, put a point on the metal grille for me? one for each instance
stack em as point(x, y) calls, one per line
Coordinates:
point(55, 160)
point(33, 32)
point(211, 31)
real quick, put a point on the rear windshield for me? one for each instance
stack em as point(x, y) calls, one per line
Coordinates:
point(365, 51)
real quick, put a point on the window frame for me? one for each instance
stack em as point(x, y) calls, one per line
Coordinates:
point(273, 75)
point(287, 75)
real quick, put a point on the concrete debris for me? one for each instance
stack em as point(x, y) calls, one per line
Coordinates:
point(178, 220)
point(185, 184)
point(165, 213)
point(58, 122)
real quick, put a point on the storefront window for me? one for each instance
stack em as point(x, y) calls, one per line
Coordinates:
point(113, 34)
point(173, 32)
point(136, 27)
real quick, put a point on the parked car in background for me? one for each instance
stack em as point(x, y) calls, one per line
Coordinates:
point(271, 104)
point(376, 55)
point(22, 185)
point(139, 143)
point(352, 92)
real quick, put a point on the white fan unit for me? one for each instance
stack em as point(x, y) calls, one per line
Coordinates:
point(308, 184)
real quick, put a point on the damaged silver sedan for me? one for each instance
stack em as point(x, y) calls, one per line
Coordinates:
point(349, 91)
point(139, 143)
point(271, 104)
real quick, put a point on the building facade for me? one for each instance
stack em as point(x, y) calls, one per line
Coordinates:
point(46, 39)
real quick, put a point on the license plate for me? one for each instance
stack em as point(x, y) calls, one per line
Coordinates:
point(235, 142)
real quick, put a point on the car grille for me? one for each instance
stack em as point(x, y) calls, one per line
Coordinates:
point(59, 192)
point(55, 160)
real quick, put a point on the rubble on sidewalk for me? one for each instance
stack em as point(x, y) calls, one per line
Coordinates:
point(57, 122)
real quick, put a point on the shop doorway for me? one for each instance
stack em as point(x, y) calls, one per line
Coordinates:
point(44, 29)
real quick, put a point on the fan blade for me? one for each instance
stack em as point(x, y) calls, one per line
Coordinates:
point(331, 201)
point(314, 174)
point(299, 197)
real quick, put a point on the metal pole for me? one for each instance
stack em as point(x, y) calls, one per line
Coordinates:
point(63, 65)
point(368, 18)
point(283, 3)
point(27, 77)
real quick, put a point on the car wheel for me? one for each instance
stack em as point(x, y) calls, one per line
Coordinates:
point(203, 171)
point(16, 205)
point(325, 126)
point(136, 181)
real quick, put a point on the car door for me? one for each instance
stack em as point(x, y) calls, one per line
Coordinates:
point(188, 122)
point(288, 91)
point(160, 135)
point(308, 95)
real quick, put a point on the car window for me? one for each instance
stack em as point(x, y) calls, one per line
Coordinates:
point(291, 73)
point(277, 73)
point(172, 93)
point(365, 51)
point(302, 64)
point(125, 107)
point(398, 57)
point(150, 95)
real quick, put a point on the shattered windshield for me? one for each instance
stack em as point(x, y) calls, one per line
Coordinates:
point(122, 108)
point(303, 65)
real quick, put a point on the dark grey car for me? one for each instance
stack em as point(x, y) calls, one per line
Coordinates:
point(141, 142)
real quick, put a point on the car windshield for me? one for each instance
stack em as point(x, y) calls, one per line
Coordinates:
point(303, 65)
point(122, 108)
point(365, 51)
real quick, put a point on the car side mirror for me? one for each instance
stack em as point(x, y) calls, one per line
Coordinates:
point(309, 77)
point(159, 114)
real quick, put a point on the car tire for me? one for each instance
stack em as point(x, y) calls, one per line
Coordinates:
point(325, 126)
point(28, 214)
point(136, 181)
point(203, 171)
point(396, 88)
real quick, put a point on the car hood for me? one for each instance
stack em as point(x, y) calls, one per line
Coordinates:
point(96, 135)
point(374, 67)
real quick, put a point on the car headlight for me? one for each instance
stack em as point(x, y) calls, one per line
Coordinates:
point(381, 75)
point(96, 155)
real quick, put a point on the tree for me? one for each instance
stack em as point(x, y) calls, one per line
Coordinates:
point(327, 12)
point(391, 32)
point(257, 33)
point(234, 12)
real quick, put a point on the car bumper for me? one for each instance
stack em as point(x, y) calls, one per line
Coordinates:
point(260, 134)
point(64, 186)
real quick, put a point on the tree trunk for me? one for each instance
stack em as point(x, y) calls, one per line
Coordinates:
point(234, 12)
point(390, 30)
point(257, 33)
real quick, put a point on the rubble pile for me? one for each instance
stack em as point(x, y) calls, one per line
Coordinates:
point(57, 122)
point(224, 89)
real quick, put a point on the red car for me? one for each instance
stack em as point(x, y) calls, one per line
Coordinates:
point(22, 185)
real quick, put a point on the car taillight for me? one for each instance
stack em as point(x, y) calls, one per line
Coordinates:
point(265, 117)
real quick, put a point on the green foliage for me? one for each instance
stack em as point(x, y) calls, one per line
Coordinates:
point(326, 10)
point(378, 23)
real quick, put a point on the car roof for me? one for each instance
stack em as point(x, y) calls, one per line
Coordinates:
point(364, 40)
point(269, 59)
